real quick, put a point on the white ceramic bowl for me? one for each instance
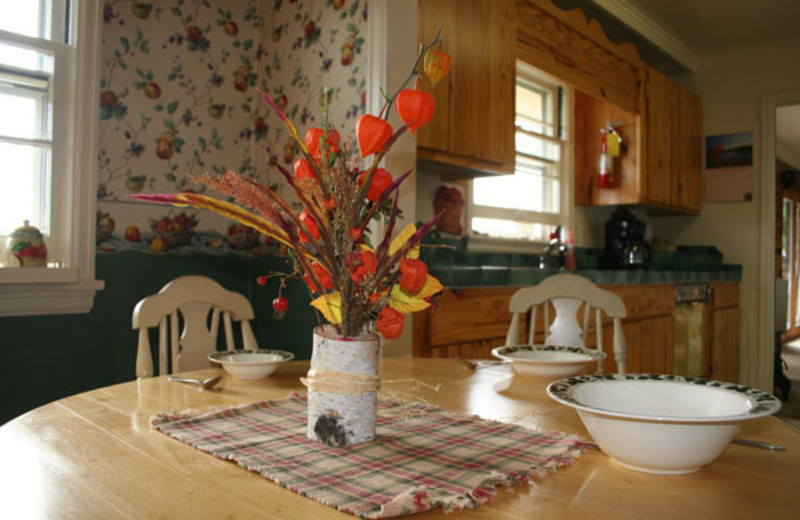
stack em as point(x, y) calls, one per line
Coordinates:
point(661, 424)
point(251, 364)
point(548, 362)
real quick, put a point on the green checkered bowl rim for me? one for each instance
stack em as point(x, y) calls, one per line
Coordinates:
point(761, 403)
point(283, 356)
point(506, 353)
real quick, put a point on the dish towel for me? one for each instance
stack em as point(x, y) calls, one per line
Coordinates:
point(422, 457)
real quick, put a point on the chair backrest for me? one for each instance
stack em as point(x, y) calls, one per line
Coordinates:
point(194, 297)
point(566, 293)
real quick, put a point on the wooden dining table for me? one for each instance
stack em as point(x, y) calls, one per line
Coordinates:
point(95, 455)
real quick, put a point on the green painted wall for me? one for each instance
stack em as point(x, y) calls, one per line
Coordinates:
point(46, 358)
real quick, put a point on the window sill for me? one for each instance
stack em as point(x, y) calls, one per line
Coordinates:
point(45, 297)
point(484, 244)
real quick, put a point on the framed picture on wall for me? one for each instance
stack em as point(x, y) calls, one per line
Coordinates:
point(729, 167)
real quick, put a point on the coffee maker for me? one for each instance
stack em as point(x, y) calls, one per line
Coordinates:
point(626, 247)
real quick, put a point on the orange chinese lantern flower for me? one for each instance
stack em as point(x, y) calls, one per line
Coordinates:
point(436, 65)
point(310, 224)
point(390, 323)
point(415, 107)
point(356, 234)
point(322, 277)
point(413, 275)
point(314, 136)
point(302, 170)
point(372, 133)
point(381, 180)
point(361, 264)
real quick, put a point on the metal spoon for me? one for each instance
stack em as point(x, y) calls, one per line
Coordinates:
point(759, 444)
point(204, 384)
point(474, 365)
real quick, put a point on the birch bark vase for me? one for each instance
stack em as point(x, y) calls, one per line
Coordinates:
point(343, 387)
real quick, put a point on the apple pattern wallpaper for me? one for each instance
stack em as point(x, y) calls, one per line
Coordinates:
point(178, 99)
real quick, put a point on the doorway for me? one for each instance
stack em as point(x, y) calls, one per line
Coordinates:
point(786, 374)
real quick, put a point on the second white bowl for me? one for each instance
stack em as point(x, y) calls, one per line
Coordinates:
point(550, 362)
point(251, 364)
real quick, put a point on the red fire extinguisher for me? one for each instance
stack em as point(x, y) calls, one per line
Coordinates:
point(605, 165)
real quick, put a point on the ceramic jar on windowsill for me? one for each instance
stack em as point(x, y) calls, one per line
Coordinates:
point(25, 247)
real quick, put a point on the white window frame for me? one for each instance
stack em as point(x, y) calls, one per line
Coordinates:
point(565, 217)
point(70, 287)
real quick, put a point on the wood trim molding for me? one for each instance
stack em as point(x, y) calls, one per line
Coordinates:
point(48, 299)
point(567, 45)
point(650, 30)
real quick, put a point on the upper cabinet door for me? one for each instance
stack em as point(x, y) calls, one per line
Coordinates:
point(474, 122)
point(660, 94)
point(673, 145)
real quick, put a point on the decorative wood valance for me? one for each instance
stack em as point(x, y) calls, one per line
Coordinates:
point(566, 45)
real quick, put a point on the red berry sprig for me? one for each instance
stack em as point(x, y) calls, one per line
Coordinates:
point(279, 305)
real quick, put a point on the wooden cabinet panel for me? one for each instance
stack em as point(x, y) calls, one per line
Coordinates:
point(474, 123)
point(470, 315)
point(574, 49)
point(644, 301)
point(661, 165)
point(688, 146)
point(724, 345)
point(660, 100)
point(589, 115)
point(724, 294)
point(672, 145)
point(471, 322)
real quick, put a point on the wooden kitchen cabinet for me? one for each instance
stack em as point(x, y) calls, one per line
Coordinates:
point(661, 164)
point(473, 126)
point(672, 145)
point(723, 332)
point(469, 323)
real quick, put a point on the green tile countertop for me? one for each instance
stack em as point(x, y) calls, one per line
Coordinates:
point(455, 267)
point(472, 276)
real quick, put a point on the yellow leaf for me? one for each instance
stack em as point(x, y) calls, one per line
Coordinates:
point(400, 240)
point(401, 301)
point(330, 305)
point(431, 287)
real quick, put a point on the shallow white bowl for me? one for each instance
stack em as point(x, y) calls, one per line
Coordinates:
point(548, 362)
point(661, 424)
point(251, 364)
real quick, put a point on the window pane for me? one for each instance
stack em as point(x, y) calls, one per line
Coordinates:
point(511, 229)
point(24, 179)
point(25, 58)
point(532, 145)
point(24, 114)
point(29, 17)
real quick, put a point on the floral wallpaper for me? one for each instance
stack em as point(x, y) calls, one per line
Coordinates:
point(178, 98)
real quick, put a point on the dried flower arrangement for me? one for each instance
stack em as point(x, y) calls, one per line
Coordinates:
point(358, 285)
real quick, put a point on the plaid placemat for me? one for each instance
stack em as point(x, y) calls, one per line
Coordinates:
point(422, 458)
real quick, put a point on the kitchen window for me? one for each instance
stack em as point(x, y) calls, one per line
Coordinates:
point(49, 60)
point(526, 206)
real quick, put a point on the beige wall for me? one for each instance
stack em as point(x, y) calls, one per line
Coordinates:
point(732, 85)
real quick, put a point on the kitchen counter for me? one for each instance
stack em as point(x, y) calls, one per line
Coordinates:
point(457, 268)
point(480, 276)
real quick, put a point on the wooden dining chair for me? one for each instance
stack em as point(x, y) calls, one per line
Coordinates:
point(199, 301)
point(567, 293)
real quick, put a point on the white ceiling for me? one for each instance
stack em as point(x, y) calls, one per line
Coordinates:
point(709, 26)
point(687, 29)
